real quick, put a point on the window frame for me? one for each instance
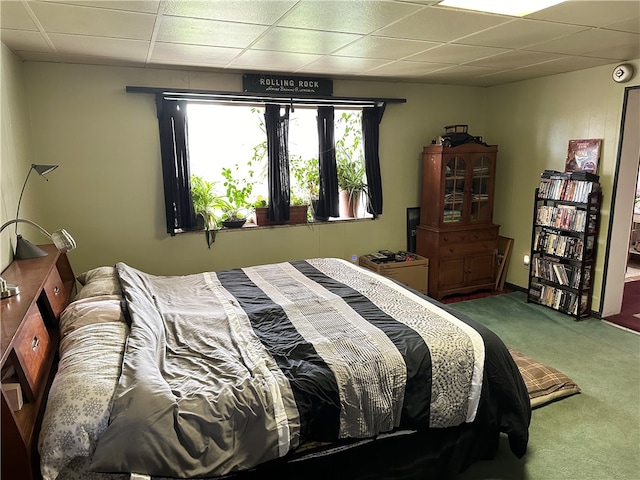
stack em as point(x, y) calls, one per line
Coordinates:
point(176, 170)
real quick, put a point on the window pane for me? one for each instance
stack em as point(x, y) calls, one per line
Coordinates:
point(303, 154)
point(223, 136)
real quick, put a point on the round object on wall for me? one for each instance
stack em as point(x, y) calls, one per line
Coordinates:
point(622, 73)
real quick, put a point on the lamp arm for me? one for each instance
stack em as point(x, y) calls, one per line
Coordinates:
point(20, 199)
point(18, 220)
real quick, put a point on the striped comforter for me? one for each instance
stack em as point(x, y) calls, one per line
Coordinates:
point(224, 371)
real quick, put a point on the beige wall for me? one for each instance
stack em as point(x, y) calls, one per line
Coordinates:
point(108, 190)
point(532, 122)
point(16, 154)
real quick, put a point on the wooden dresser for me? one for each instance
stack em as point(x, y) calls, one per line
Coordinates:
point(29, 340)
point(456, 231)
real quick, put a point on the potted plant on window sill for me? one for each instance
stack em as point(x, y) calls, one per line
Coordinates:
point(297, 212)
point(237, 205)
point(206, 204)
point(350, 165)
point(306, 171)
point(352, 186)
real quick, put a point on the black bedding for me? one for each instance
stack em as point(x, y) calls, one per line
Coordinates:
point(237, 372)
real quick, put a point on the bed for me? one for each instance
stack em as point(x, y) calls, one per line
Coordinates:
point(303, 369)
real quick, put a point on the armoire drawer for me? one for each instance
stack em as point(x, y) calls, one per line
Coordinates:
point(465, 248)
point(452, 237)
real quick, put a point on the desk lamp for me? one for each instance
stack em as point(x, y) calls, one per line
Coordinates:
point(24, 248)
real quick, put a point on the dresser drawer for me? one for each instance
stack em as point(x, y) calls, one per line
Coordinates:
point(483, 234)
point(462, 236)
point(465, 248)
point(454, 237)
point(55, 294)
point(32, 349)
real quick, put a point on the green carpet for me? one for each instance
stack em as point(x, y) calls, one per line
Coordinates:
point(592, 435)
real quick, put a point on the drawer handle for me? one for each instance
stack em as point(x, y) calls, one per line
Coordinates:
point(56, 290)
point(35, 343)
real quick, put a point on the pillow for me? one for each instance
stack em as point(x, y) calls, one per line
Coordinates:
point(99, 281)
point(87, 311)
point(96, 273)
point(544, 383)
point(79, 402)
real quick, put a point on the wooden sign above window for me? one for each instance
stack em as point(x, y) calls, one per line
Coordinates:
point(261, 83)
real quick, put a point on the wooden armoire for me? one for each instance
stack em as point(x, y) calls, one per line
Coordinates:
point(456, 231)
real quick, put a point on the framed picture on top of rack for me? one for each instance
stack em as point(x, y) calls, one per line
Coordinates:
point(583, 155)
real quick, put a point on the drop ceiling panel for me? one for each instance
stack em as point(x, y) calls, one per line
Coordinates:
point(520, 33)
point(200, 55)
point(351, 17)
point(456, 54)
point(13, 15)
point(516, 59)
point(197, 31)
point(593, 42)
point(462, 75)
point(273, 61)
point(505, 76)
point(384, 48)
point(632, 25)
point(441, 25)
point(567, 64)
point(303, 41)
point(242, 11)
point(590, 13)
point(119, 48)
point(407, 69)
point(28, 40)
point(342, 65)
point(63, 18)
point(143, 6)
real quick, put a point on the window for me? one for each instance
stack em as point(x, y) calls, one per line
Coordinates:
point(229, 141)
point(231, 156)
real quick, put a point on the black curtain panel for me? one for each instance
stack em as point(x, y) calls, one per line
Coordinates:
point(172, 121)
point(328, 200)
point(371, 117)
point(277, 127)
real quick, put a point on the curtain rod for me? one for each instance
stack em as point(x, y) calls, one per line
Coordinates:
point(211, 95)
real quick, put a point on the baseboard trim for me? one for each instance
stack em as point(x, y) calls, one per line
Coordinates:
point(517, 288)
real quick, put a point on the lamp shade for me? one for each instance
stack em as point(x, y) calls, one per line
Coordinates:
point(43, 170)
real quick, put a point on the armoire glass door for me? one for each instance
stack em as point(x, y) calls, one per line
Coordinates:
point(480, 201)
point(455, 172)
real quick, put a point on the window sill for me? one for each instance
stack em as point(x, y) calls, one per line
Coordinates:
point(252, 226)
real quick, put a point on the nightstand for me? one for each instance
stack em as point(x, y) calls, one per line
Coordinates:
point(414, 273)
point(29, 344)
